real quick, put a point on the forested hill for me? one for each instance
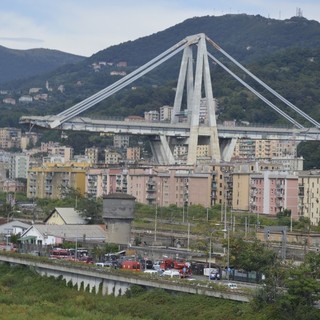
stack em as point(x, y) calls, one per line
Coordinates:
point(245, 37)
point(22, 64)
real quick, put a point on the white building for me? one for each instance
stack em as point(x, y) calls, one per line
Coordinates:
point(166, 113)
point(19, 165)
point(152, 116)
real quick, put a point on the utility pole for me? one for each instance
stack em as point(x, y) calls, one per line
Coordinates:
point(155, 224)
point(188, 235)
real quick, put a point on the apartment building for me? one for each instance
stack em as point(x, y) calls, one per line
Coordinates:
point(19, 165)
point(53, 180)
point(180, 152)
point(92, 154)
point(133, 153)
point(164, 186)
point(264, 149)
point(309, 195)
point(241, 191)
point(241, 181)
point(65, 152)
point(166, 113)
point(46, 145)
point(10, 138)
point(111, 157)
point(152, 116)
point(97, 182)
point(121, 141)
point(28, 139)
point(273, 192)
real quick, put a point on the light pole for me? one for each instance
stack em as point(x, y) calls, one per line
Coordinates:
point(226, 231)
point(155, 224)
point(76, 251)
point(209, 273)
point(210, 253)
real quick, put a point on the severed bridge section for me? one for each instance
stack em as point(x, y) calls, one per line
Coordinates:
point(193, 125)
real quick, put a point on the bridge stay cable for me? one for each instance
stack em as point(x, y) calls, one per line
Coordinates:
point(130, 75)
point(105, 95)
point(275, 93)
point(118, 85)
point(274, 107)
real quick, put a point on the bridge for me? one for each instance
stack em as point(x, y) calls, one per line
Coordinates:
point(188, 128)
point(115, 282)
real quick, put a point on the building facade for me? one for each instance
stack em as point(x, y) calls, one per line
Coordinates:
point(309, 196)
point(273, 192)
point(54, 180)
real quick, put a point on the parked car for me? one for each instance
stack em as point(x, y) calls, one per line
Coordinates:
point(104, 264)
point(171, 273)
point(153, 272)
point(215, 276)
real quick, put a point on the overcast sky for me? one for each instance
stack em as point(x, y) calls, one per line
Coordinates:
point(85, 27)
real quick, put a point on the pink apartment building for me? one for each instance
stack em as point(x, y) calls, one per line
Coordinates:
point(168, 185)
point(272, 192)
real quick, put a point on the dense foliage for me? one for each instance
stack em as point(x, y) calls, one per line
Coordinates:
point(24, 294)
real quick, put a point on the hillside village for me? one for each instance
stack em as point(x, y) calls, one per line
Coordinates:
point(38, 94)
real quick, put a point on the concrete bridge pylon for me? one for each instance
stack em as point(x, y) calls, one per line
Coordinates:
point(199, 111)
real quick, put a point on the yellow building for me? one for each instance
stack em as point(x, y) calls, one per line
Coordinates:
point(92, 154)
point(241, 190)
point(264, 149)
point(133, 153)
point(309, 195)
point(54, 180)
point(63, 216)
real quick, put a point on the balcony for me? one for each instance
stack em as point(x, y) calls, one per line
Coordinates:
point(151, 197)
point(253, 193)
point(279, 203)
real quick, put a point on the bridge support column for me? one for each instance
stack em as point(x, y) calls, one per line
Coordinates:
point(161, 150)
point(203, 132)
point(166, 149)
point(228, 149)
point(193, 143)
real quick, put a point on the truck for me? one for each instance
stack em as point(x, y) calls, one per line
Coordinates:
point(180, 265)
point(131, 265)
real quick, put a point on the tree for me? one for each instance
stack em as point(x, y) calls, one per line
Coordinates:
point(292, 291)
point(251, 256)
point(91, 209)
point(302, 292)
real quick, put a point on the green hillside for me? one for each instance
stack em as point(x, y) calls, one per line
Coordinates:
point(22, 64)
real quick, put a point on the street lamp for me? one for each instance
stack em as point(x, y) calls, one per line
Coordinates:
point(226, 232)
point(210, 249)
